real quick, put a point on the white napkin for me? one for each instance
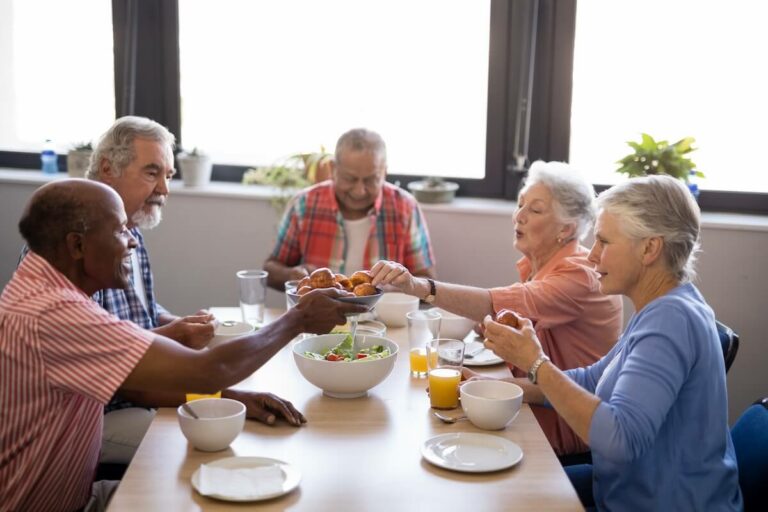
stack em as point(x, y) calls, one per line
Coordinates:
point(240, 483)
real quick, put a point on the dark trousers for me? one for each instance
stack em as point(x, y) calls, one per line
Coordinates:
point(581, 479)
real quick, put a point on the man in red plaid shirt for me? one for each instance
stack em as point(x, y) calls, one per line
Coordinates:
point(353, 220)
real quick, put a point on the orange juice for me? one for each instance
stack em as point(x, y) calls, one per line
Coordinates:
point(444, 388)
point(419, 361)
point(432, 358)
point(198, 396)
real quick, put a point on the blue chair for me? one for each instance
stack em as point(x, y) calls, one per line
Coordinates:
point(750, 440)
point(730, 343)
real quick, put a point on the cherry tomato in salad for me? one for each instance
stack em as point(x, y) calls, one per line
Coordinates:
point(333, 357)
point(361, 356)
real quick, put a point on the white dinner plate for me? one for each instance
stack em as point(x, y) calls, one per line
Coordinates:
point(484, 358)
point(470, 452)
point(291, 476)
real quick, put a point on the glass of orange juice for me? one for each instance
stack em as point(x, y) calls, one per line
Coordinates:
point(444, 360)
point(423, 326)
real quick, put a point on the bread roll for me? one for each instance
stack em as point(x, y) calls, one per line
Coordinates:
point(508, 317)
point(360, 277)
point(321, 278)
point(364, 289)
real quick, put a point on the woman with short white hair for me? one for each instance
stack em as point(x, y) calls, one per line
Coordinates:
point(558, 287)
point(655, 409)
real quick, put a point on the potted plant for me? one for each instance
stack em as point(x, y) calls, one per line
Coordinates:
point(195, 168)
point(660, 157)
point(290, 174)
point(78, 159)
point(317, 166)
point(433, 190)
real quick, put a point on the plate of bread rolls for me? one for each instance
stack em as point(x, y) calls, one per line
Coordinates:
point(359, 284)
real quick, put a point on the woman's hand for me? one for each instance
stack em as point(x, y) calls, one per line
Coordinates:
point(467, 375)
point(519, 347)
point(394, 274)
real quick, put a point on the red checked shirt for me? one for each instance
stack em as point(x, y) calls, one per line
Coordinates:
point(312, 231)
point(61, 359)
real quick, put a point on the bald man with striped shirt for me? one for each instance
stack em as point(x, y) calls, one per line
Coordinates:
point(62, 356)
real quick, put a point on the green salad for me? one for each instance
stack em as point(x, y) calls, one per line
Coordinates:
point(344, 352)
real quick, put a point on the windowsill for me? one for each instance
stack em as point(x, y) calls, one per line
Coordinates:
point(464, 205)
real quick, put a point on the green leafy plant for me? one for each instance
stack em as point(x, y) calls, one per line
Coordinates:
point(289, 175)
point(660, 157)
point(196, 152)
point(82, 146)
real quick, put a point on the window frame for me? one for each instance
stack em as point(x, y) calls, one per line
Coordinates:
point(147, 83)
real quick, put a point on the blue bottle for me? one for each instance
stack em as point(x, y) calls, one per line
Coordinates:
point(693, 186)
point(49, 159)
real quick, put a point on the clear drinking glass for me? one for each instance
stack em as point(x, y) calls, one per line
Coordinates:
point(445, 358)
point(290, 287)
point(423, 326)
point(253, 293)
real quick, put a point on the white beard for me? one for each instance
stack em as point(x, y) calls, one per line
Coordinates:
point(148, 220)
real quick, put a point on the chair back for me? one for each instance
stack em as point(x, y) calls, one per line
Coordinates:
point(730, 343)
point(750, 440)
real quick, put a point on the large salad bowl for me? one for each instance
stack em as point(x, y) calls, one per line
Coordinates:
point(344, 379)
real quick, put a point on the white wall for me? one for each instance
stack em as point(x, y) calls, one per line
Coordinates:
point(206, 236)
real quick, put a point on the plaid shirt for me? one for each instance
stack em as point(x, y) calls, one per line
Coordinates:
point(126, 305)
point(312, 231)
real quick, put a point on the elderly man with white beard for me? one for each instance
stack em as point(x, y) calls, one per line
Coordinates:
point(135, 157)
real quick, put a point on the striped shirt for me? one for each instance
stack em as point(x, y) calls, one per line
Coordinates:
point(56, 373)
point(127, 305)
point(312, 231)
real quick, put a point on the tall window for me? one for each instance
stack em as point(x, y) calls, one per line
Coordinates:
point(56, 78)
point(285, 77)
point(673, 69)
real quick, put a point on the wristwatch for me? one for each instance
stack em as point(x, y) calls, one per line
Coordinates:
point(429, 299)
point(535, 368)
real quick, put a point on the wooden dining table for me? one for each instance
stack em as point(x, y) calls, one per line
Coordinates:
point(356, 454)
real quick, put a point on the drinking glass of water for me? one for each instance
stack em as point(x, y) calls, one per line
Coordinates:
point(253, 293)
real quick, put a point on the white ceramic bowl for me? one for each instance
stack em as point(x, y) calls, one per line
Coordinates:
point(221, 421)
point(393, 306)
point(229, 330)
point(343, 379)
point(454, 326)
point(491, 404)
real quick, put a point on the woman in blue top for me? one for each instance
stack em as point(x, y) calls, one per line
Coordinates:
point(654, 409)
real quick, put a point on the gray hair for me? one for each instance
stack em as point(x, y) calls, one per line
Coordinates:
point(659, 206)
point(116, 144)
point(574, 196)
point(361, 139)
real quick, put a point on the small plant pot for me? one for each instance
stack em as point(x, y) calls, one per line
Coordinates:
point(195, 170)
point(77, 162)
point(426, 192)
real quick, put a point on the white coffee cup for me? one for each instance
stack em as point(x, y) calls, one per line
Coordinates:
point(491, 404)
